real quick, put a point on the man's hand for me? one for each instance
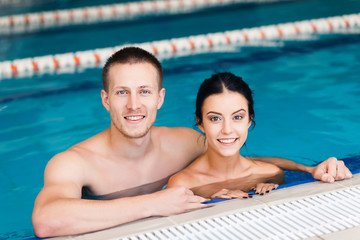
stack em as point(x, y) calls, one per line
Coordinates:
point(176, 200)
point(331, 170)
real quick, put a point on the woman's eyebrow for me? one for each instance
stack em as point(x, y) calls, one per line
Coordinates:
point(212, 112)
point(240, 110)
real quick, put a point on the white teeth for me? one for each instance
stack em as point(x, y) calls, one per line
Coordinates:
point(231, 140)
point(134, 118)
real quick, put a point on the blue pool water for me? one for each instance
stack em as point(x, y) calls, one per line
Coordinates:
point(306, 93)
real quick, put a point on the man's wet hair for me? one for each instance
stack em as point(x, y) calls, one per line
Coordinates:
point(131, 55)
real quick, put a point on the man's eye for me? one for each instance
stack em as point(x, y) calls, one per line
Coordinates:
point(145, 92)
point(214, 119)
point(121, 92)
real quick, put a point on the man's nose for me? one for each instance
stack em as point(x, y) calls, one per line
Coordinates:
point(133, 102)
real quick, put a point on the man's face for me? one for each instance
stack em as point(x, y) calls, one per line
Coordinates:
point(133, 98)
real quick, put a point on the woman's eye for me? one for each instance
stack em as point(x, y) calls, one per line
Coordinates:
point(214, 119)
point(238, 117)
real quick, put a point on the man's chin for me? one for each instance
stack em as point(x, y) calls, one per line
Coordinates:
point(135, 134)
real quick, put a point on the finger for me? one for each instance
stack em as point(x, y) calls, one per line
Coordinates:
point(189, 192)
point(239, 194)
point(268, 187)
point(224, 196)
point(194, 206)
point(332, 166)
point(327, 178)
point(197, 199)
point(264, 189)
point(273, 186)
point(258, 188)
point(202, 199)
point(348, 174)
point(340, 174)
point(221, 192)
point(319, 171)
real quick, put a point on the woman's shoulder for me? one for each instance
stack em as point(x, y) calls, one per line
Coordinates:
point(182, 178)
point(265, 167)
point(189, 176)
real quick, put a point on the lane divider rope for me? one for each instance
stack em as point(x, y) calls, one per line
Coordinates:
point(32, 22)
point(70, 62)
point(14, 2)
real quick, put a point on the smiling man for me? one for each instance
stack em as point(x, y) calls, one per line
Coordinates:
point(128, 163)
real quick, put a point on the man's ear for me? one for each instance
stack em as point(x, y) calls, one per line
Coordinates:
point(161, 98)
point(105, 99)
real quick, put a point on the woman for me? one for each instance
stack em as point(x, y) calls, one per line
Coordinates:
point(224, 113)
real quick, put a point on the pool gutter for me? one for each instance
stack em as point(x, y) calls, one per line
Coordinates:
point(222, 208)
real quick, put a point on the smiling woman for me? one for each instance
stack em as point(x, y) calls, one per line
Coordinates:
point(224, 113)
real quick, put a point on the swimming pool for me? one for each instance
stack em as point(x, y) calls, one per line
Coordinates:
point(306, 93)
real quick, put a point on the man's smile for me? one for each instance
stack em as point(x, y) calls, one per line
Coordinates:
point(134, 118)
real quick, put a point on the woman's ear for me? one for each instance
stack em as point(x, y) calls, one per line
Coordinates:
point(105, 99)
point(200, 126)
point(250, 121)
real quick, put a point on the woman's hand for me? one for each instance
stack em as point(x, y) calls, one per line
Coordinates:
point(331, 170)
point(228, 194)
point(262, 188)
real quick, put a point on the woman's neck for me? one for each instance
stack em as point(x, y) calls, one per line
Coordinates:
point(225, 167)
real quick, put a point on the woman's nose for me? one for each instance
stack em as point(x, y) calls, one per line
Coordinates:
point(226, 127)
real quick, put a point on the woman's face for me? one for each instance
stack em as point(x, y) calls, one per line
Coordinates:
point(225, 122)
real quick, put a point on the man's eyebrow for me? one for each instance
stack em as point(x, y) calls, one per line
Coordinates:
point(145, 86)
point(124, 87)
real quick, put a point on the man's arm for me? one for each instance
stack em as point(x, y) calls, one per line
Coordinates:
point(59, 209)
point(329, 170)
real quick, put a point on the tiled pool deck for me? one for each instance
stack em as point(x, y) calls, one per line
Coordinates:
point(279, 196)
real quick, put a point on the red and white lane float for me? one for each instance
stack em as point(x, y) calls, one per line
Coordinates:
point(32, 22)
point(70, 62)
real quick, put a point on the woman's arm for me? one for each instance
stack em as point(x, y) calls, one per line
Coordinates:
point(329, 170)
point(284, 164)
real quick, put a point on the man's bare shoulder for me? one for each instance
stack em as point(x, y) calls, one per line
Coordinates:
point(65, 162)
point(173, 130)
point(74, 160)
point(180, 134)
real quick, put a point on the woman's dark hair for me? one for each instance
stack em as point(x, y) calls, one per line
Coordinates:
point(217, 84)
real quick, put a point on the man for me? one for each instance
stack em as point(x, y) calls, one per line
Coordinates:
point(129, 162)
